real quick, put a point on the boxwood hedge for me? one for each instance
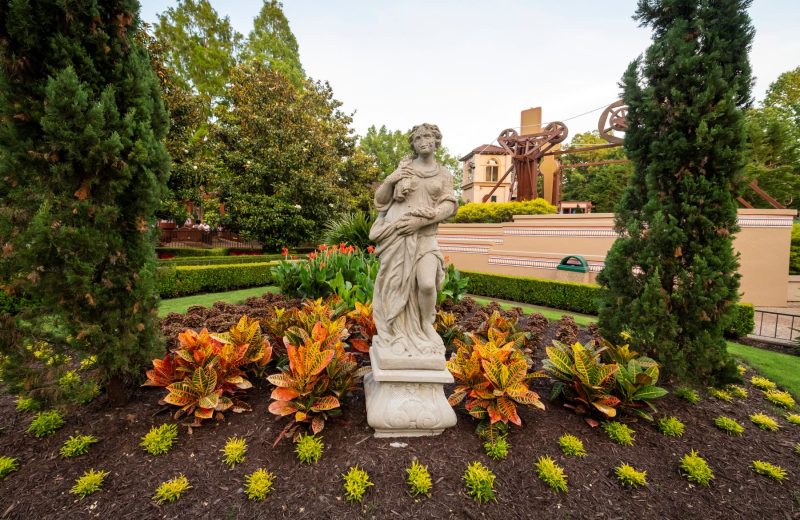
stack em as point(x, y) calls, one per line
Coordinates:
point(184, 280)
point(573, 296)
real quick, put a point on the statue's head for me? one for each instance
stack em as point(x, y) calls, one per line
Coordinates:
point(433, 129)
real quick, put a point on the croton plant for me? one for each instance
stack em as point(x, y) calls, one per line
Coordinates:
point(204, 374)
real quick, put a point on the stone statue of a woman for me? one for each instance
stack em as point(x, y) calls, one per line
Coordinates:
point(411, 202)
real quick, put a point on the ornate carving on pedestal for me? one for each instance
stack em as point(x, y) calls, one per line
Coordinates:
point(407, 409)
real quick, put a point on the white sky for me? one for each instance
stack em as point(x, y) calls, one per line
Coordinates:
point(472, 66)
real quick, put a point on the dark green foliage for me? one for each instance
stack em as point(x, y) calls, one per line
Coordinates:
point(672, 276)
point(573, 296)
point(81, 136)
point(603, 184)
point(186, 280)
point(288, 156)
point(271, 42)
point(569, 296)
point(351, 229)
point(219, 260)
point(200, 47)
point(454, 286)
point(192, 251)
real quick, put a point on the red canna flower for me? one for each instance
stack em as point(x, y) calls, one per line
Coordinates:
point(285, 251)
point(322, 247)
point(322, 265)
point(370, 249)
point(312, 255)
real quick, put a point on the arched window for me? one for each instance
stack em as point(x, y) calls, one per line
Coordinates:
point(491, 170)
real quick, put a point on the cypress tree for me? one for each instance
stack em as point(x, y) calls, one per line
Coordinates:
point(83, 166)
point(671, 276)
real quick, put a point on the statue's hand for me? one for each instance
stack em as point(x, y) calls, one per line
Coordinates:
point(399, 174)
point(408, 224)
point(426, 213)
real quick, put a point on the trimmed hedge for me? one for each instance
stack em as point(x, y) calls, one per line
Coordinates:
point(219, 260)
point(573, 296)
point(495, 212)
point(193, 251)
point(192, 279)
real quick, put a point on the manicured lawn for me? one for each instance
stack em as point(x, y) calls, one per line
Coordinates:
point(551, 314)
point(180, 305)
point(784, 369)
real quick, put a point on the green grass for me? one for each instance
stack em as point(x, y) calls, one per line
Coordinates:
point(180, 305)
point(781, 368)
point(551, 314)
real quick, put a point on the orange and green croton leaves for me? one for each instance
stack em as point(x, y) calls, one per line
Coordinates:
point(207, 370)
point(319, 374)
point(492, 376)
point(582, 377)
point(364, 324)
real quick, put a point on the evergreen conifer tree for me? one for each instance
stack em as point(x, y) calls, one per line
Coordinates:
point(82, 126)
point(671, 276)
point(272, 43)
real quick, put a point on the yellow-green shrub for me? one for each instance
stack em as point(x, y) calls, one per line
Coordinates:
point(769, 470)
point(695, 469)
point(496, 212)
point(90, 482)
point(627, 474)
point(419, 479)
point(234, 451)
point(356, 482)
point(479, 481)
point(765, 422)
point(171, 490)
point(551, 474)
point(258, 484)
point(571, 445)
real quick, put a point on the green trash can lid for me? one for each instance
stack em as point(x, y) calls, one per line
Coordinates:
point(574, 263)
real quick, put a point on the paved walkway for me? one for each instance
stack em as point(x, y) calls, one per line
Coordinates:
point(780, 324)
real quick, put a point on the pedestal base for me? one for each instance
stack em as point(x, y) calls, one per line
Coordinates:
point(407, 403)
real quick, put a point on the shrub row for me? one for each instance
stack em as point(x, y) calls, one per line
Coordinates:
point(192, 279)
point(494, 212)
point(220, 260)
point(192, 251)
point(573, 296)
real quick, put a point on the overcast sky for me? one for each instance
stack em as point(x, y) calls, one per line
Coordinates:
point(472, 66)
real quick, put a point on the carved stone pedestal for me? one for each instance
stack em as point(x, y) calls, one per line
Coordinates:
point(407, 403)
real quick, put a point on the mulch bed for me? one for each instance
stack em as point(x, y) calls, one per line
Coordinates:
point(40, 489)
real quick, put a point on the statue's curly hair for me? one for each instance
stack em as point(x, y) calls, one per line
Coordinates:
point(425, 126)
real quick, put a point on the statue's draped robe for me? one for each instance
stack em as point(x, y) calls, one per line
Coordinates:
point(396, 308)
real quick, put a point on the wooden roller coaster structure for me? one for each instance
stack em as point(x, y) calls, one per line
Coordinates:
point(527, 152)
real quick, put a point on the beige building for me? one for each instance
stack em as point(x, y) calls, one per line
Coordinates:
point(482, 168)
point(535, 245)
point(487, 164)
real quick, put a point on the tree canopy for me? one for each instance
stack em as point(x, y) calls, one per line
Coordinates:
point(387, 147)
point(272, 43)
point(286, 153)
point(602, 185)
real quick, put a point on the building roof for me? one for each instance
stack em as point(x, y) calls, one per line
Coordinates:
point(484, 149)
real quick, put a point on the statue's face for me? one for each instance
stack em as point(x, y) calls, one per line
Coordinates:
point(424, 142)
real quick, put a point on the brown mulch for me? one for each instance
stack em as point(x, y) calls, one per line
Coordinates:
point(40, 489)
